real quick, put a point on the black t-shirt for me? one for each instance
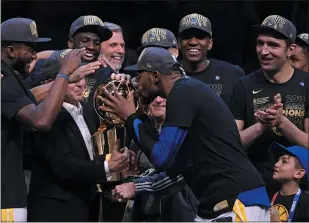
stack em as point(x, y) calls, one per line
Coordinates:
point(14, 96)
point(284, 203)
point(220, 76)
point(93, 82)
point(217, 166)
point(254, 92)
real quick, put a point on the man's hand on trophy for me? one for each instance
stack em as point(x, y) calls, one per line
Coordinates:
point(84, 70)
point(124, 192)
point(119, 161)
point(124, 78)
point(117, 104)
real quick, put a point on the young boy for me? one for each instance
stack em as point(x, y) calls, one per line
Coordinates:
point(291, 202)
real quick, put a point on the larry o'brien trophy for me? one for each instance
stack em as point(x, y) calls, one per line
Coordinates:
point(111, 128)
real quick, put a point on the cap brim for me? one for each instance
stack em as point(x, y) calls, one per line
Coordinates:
point(276, 150)
point(299, 40)
point(193, 27)
point(140, 49)
point(260, 28)
point(132, 68)
point(42, 40)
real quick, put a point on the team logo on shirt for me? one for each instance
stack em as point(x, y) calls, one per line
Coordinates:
point(283, 212)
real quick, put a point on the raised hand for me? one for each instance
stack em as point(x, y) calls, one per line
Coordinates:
point(84, 70)
point(71, 61)
point(117, 104)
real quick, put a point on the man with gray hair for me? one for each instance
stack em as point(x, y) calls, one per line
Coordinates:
point(114, 48)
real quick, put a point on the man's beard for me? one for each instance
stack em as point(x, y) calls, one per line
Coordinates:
point(21, 67)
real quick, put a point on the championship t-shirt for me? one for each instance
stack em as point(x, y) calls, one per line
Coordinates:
point(220, 76)
point(283, 205)
point(212, 150)
point(254, 92)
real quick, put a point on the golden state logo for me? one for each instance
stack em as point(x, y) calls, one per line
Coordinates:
point(33, 29)
point(194, 19)
point(283, 212)
point(153, 35)
point(93, 20)
point(274, 21)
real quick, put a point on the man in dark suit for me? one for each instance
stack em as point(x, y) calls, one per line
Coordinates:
point(65, 171)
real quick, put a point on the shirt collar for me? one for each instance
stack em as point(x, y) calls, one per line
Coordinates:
point(72, 109)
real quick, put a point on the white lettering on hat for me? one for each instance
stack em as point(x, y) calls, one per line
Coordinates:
point(33, 29)
point(93, 20)
point(154, 34)
point(64, 53)
point(148, 65)
point(274, 21)
point(194, 19)
point(304, 36)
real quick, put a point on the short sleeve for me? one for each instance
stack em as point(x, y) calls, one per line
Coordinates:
point(237, 104)
point(13, 97)
point(181, 108)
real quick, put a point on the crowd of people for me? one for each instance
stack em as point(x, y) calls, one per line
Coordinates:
point(210, 142)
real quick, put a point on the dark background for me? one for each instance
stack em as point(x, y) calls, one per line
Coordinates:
point(231, 20)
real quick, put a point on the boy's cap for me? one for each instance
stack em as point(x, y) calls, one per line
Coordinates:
point(158, 37)
point(91, 21)
point(278, 24)
point(195, 21)
point(277, 150)
point(155, 59)
point(20, 30)
point(304, 38)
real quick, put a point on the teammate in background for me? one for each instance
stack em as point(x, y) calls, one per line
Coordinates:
point(271, 104)
point(300, 58)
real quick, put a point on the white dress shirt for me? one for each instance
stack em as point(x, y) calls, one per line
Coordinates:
point(77, 115)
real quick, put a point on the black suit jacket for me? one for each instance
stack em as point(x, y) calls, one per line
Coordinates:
point(63, 176)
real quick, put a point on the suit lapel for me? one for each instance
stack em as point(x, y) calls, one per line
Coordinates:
point(73, 128)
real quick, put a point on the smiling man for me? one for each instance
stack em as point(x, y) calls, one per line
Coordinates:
point(114, 48)
point(195, 40)
point(271, 104)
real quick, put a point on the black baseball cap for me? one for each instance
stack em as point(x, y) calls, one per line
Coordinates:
point(278, 24)
point(159, 37)
point(155, 59)
point(20, 30)
point(195, 21)
point(53, 62)
point(303, 38)
point(91, 22)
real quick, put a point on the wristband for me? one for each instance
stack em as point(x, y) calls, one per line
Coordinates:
point(64, 76)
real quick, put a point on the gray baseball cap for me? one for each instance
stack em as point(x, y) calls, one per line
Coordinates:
point(195, 21)
point(158, 37)
point(20, 30)
point(155, 59)
point(278, 24)
point(92, 22)
point(304, 38)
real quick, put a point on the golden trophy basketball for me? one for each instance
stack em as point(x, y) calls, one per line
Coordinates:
point(111, 126)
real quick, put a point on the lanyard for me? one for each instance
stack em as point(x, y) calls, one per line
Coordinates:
point(295, 200)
